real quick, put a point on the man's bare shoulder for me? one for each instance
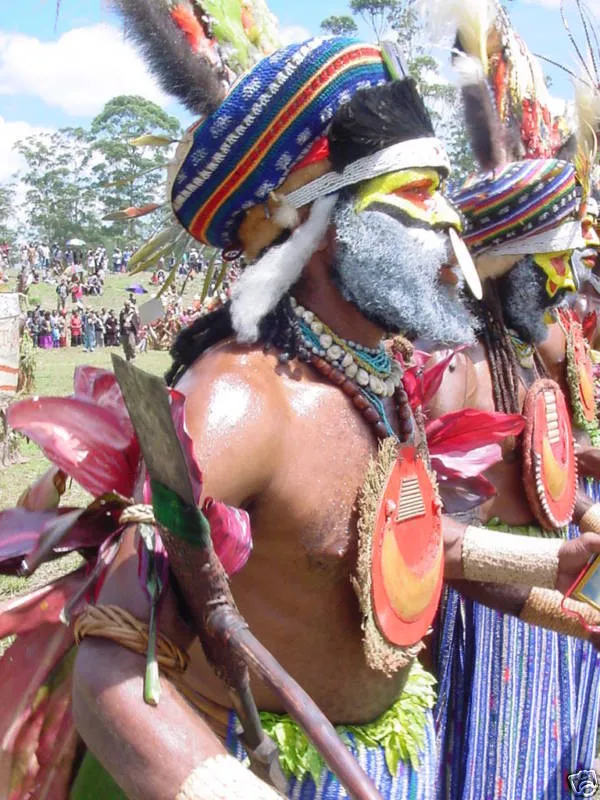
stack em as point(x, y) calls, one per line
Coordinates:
point(236, 410)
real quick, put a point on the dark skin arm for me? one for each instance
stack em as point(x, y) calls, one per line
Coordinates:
point(151, 751)
point(148, 751)
point(572, 558)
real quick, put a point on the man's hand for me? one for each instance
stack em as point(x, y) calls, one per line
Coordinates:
point(588, 461)
point(573, 557)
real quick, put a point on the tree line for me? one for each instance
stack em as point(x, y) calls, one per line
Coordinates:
point(72, 177)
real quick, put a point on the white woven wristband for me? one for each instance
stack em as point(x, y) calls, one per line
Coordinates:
point(498, 557)
point(224, 778)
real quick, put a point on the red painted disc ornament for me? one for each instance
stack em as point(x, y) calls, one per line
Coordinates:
point(580, 372)
point(407, 552)
point(549, 465)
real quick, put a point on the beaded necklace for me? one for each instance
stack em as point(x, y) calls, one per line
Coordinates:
point(366, 375)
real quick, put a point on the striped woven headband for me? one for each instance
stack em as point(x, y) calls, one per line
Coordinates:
point(517, 201)
point(267, 124)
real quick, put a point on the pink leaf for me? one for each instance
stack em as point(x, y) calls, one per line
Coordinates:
point(460, 494)
point(231, 534)
point(100, 386)
point(88, 442)
point(469, 428)
point(421, 384)
point(45, 492)
point(22, 530)
point(178, 413)
point(468, 464)
point(24, 669)
point(26, 612)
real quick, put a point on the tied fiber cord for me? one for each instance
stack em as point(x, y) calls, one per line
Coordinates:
point(114, 623)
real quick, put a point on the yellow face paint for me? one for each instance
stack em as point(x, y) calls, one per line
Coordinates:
point(557, 267)
point(589, 231)
point(414, 192)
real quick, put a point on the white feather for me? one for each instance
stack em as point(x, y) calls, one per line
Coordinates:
point(469, 70)
point(472, 19)
point(264, 283)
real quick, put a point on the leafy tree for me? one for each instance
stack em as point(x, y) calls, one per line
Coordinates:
point(59, 199)
point(441, 97)
point(376, 13)
point(7, 229)
point(339, 26)
point(127, 175)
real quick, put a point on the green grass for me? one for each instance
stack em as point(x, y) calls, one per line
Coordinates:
point(54, 376)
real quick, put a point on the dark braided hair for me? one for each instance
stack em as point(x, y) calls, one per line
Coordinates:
point(504, 366)
point(280, 329)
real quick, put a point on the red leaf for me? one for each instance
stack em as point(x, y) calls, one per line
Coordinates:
point(24, 669)
point(24, 613)
point(178, 413)
point(460, 494)
point(230, 533)
point(56, 767)
point(21, 531)
point(24, 764)
point(466, 429)
point(421, 384)
point(100, 386)
point(473, 462)
point(589, 324)
point(45, 493)
point(86, 441)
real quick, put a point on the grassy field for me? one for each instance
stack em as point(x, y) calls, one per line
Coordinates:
point(54, 376)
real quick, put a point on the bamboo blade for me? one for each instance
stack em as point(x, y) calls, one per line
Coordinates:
point(132, 178)
point(210, 271)
point(131, 213)
point(232, 629)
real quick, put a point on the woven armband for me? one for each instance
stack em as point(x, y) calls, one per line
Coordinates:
point(224, 778)
point(496, 557)
point(591, 519)
point(546, 609)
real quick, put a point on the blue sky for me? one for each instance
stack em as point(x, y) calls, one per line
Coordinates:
point(55, 76)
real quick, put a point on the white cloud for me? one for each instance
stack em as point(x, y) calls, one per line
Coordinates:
point(78, 73)
point(11, 132)
point(293, 33)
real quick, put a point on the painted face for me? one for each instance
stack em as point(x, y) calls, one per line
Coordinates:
point(412, 192)
point(589, 229)
point(557, 268)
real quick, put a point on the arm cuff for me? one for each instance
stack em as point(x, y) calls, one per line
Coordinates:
point(544, 607)
point(224, 778)
point(591, 520)
point(497, 557)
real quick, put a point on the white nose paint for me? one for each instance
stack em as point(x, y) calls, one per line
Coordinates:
point(466, 264)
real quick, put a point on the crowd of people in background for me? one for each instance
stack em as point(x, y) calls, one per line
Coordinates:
point(78, 274)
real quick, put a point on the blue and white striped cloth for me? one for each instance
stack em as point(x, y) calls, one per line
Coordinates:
point(518, 707)
point(407, 784)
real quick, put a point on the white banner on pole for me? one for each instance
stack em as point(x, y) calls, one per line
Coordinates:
point(9, 342)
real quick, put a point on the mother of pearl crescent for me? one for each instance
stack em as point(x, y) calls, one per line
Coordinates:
point(549, 466)
point(407, 555)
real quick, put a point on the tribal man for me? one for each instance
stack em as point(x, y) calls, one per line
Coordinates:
point(321, 166)
point(493, 741)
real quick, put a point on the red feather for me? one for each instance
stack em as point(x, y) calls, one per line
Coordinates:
point(185, 19)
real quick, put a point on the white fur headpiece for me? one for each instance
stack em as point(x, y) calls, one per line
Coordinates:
point(263, 284)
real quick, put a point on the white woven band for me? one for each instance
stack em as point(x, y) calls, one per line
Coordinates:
point(412, 154)
point(224, 778)
point(498, 557)
point(591, 519)
point(567, 236)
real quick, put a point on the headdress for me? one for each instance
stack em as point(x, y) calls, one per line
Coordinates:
point(524, 207)
point(512, 207)
point(303, 123)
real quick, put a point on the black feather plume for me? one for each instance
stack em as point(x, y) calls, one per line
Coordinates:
point(189, 76)
point(376, 118)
